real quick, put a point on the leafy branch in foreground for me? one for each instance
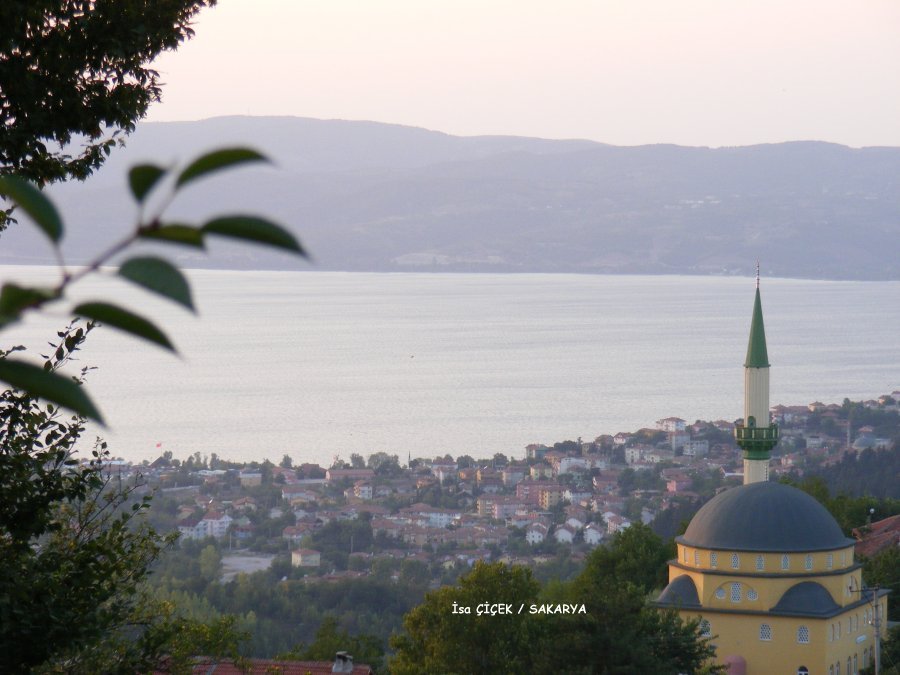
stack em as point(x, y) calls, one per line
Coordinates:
point(75, 551)
point(151, 273)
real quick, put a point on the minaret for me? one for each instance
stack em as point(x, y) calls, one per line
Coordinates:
point(757, 435)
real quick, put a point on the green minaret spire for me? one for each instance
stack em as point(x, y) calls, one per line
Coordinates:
point(757, 356)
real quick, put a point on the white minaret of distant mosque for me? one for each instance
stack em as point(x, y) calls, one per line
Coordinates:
point(757, 435)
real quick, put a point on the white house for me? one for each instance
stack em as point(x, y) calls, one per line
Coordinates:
point(670, 424)
point(593, 534)
point(305, 557)
point(536, 533)
point(564, 534)
point(216, 524)
point(696, 448)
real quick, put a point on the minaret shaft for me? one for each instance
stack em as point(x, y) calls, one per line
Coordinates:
point(756, 396)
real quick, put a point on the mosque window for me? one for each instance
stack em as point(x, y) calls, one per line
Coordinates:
point(829, 561)
point(736, 591)
point(855, 664)
point(735, 561)
point(837, 668)
point(838, 630)
point(831, 636)
point(802, 670)
point(752, 595)
point(849, 672)
point(785, 562)
point(705, 628)
point(803, 635)
point(697, 558)
point(831, 669)
point(765, 632)
point(807, 564)
point(760, 563)
point(685, 553)
point(713, 559)
point(720, 593)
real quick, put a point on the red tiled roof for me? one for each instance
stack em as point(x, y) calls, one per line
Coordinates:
point(878, 536)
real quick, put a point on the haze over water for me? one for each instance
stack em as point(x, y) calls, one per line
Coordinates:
point(317, 364)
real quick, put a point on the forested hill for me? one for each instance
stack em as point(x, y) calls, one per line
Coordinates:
point(369, 196)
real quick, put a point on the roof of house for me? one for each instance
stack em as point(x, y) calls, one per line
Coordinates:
point(271, 667)
point(878, 536)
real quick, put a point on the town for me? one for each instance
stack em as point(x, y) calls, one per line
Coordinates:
point(366, 516)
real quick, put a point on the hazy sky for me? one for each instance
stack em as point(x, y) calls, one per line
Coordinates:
point(693, 72)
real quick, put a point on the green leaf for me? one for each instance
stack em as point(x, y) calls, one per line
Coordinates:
point(124, 320)
point(34, 203)
point(217, 160)
point(158, 276)
point(186, 235)
point(142, 178)
point(253, 228)
point(37, 382)
point(15, 299)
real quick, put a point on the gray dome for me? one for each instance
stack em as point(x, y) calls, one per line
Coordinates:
point(680, 593)
point(764, 517)
point(807, 599)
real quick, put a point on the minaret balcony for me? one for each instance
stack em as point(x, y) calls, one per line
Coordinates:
point(754, 439)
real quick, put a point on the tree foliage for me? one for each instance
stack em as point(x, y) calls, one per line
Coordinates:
point(438, 640)
point(71, 558)
point(78, 72)
point(618, 632)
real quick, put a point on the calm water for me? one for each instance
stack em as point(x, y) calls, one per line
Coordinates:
point(321, 364)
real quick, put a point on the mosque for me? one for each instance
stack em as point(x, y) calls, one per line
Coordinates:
point(765, 567)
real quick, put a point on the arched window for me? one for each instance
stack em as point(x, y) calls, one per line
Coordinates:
point(760, 563)
point(685, 554)
point(855, 664)
point(807, 564)
point(802, 670)
point(831, 636)
point(829, 561)
point(849, 672)
point(837, 668)
point(720, 593)
point(735, 561)
point(736, 591)
point(803, 635)
point(831, 669)
point(713, 559)
point(697, 558)
point(785, 562)
point(765, 632)
point(705, 628)
point(752, 595)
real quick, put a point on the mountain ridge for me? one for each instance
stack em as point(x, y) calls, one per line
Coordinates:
point(371, 196)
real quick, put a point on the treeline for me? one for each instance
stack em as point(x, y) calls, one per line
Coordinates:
point(874, 473)
point(499, 619)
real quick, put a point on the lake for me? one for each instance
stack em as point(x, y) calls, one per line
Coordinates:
point(318, 364)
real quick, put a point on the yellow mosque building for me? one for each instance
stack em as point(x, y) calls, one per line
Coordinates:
point(766, 568)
